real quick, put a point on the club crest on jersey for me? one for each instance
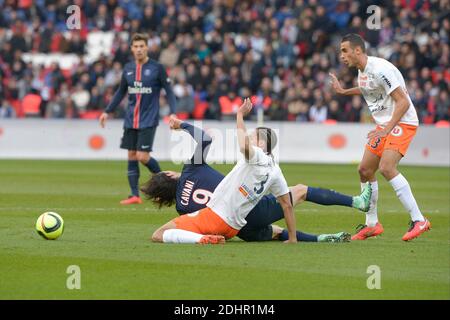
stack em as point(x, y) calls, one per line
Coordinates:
point(147, 72)
point(397, 131)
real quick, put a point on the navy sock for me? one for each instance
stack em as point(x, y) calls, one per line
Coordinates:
point(133, 176)
point(301, 236)
point(153, 165)
point(328, 197)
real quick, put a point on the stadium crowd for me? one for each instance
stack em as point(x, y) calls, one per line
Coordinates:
point(217, 51)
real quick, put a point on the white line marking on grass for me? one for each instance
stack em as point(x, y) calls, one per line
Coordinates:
point(76, 209)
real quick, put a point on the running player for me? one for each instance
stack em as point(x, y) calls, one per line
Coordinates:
point(191, 190)
point(383, 87)
point(143, 79)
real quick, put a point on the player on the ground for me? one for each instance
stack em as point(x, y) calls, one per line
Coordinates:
point(191, 190)
point(233, 207)
point(383, 87)
point(237, 194)
point(143, 79)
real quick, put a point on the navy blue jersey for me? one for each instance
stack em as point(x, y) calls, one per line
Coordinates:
point(143, 83)
point(198, 180)
point(195, 187)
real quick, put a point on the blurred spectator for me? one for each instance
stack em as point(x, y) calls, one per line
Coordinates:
point(217, 52)
point(185, 96)
point(6, 110)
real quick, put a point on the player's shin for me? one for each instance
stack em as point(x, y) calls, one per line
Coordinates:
point(301, 236)
point(327, 197)
point(133, 176)
point(153, 165)
point(372, 215)
point(181, 236)
point(404, 194)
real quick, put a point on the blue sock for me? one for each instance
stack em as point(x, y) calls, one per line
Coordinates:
point(328, 197)
point(301, 236)
point(153, 165)
point(133, 176)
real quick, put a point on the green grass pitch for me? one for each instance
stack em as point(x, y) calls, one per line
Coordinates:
point(110, 243)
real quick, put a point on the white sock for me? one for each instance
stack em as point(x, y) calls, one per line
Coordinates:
point(372, 214)
point(404, 193)
point(181, 236)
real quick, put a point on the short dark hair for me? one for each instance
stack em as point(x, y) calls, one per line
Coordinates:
point(139, 37)
point(355, 41)
point(269, 136)
point(160, 189)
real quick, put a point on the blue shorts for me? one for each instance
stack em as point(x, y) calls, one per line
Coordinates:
point(259, 220)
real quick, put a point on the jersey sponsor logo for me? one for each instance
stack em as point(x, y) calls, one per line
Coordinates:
point(386, 80)
point(139, 89)
point(186, 193)
point(377, 99)
point(377, 109)
point(397, 131)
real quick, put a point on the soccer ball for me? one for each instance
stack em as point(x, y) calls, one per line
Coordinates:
point(50, 225)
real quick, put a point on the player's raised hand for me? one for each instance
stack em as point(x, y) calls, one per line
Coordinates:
point(174, 122)
point(246, 107)
point(102, 119)
point(335, 84)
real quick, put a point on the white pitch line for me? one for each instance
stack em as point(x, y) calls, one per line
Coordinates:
point(76, 209)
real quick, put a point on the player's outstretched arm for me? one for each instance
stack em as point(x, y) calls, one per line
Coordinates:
point(243, 138)
point(336, 85)
point(289, 217)
point(201, 137)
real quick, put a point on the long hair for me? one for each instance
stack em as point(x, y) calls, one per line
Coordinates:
point(160, 189)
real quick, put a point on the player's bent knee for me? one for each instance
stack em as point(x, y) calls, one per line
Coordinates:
point(388, 171)
point(157, 236)
point(299, 193)
point(143, 157)
point(365, 172)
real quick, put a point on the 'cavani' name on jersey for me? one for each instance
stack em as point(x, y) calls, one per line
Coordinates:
point(186, 192)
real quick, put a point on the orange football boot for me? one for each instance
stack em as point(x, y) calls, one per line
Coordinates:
point(212, 239)
point(132, 200)
point(416, 228)
point(365, 232)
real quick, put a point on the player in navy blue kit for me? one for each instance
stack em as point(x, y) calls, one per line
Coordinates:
point(143, 80)
point(191, 190)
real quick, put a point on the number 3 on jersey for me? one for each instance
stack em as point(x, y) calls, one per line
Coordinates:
point(201, 196)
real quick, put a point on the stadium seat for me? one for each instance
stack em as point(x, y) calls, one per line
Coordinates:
point(31, 104)
point(183, 115)
point(91, 114)
point(228, 106)
point(442, 124)
point(330, 122)
point(199, 110)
